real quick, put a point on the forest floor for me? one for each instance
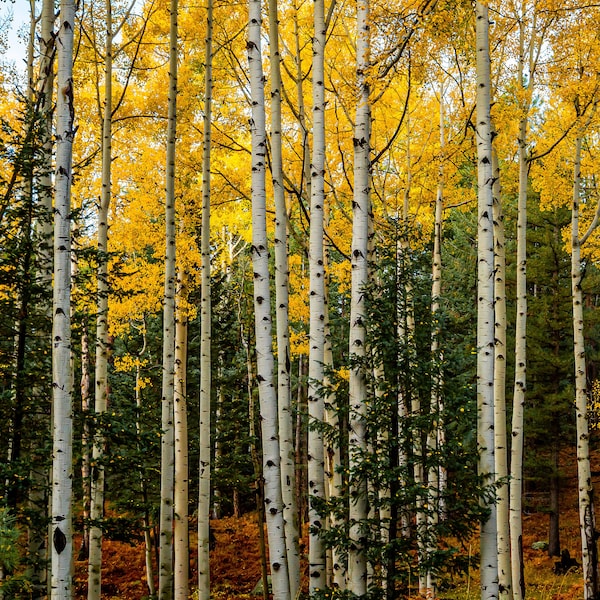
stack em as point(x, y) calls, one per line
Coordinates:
point(235, 558)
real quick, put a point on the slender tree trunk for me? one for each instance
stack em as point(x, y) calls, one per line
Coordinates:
point(256, 463)
point(587, 518)
point(181, 544)
point(205, 330)
point(316, 407)
point(284, 391)
point(357, 445)
point(86, 439)
point(300, 442)
point(554, 503)
point(62, 453)
point(485, 305)
point(262, 316)
point(102, 349)
point(167, 470)
point(143, 485)
point(517, 433)
point(404, 330)
point(500, 426)
point(303, 131)
point(433, 449)
point(333, 468)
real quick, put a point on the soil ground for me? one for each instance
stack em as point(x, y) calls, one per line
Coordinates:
point(235, 558)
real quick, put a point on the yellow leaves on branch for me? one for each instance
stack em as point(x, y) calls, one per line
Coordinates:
point(132, 364)
point(128, 363)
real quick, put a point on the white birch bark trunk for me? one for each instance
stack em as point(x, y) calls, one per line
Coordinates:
point(404, 334)
point(62, 449)
point(181, 542)
point(262, 317)
point(357, 444)
point(86, 458)
point(500, 424)
point(382, 513)
point(316, 455)
point(205, 329)
point(587, 517)
point(306, 160)
point(205, 325)
point(143, 485)
point(47, 50)
point(485, 302)
point(517, 427)
point(284, 391)
point(101, 367)
point(333, 459)
point(167, 471)
point(520, 387)
point(433, 449)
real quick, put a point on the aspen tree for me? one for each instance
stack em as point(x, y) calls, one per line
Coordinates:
point(284, 400)
point(143, 484)
point(181, 547)
point(587, 517)
point(102, 342)
point(485, 300)
point(333, 457)
point(357, 444)
point(526, 70)
point(316, 455)
point(405, 329)
point(205, 326)
point(62, 408)
point(433, 447)
point(262, 316)
point(47, 51)
point(167, 462)
point(86, 438)
point(500, 440)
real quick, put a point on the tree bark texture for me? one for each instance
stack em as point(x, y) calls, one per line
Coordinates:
point(62, 453)
point(485, 302)
point(316, 455)
point(102, 343)
point(357, 444)
point(165, 584)
point(205, 329)
point(587, 518)
point(262, 317)
point(284, 390)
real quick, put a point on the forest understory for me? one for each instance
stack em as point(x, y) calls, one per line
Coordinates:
point(235, 558)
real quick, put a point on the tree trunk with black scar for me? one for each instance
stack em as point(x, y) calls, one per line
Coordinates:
point(62, 453)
